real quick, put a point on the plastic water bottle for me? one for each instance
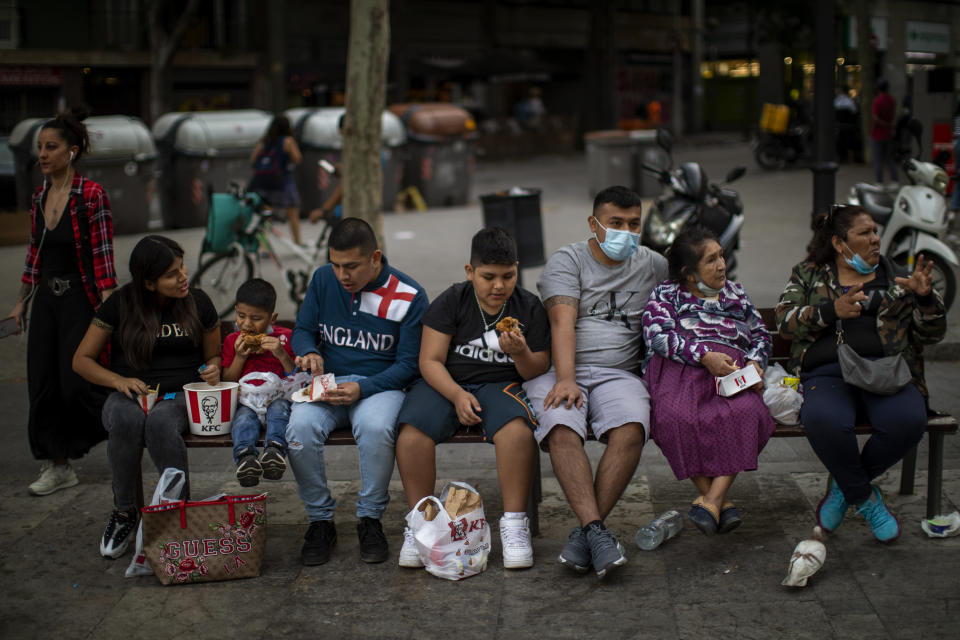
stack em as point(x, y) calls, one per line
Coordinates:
point(660, 529)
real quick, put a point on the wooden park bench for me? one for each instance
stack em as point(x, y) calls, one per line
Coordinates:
point(938, 425)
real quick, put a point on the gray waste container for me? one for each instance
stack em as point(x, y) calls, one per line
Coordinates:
point(23, 142)
point(316, 132)
point(121, 158)
point(441, 143)
point(616, 158)
point(203, 150)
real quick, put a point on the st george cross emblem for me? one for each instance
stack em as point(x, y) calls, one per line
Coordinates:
point(390, 301)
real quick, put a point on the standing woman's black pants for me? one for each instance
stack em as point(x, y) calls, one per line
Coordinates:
point(64, 420)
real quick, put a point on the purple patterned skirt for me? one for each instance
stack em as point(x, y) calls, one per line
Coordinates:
point(700, 432)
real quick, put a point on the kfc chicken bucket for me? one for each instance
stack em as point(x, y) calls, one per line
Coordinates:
point(210, 408)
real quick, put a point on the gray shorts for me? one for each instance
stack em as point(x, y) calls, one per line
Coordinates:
point(611, 399)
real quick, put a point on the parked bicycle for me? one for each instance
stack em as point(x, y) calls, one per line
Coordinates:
point(240, 233)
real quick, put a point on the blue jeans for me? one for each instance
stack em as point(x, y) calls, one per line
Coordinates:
point(373, 421)
point(829, 414)
point(246, 427)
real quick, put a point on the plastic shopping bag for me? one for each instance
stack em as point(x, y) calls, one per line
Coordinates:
point(168, 489)
point(452, 535)
point(259, 396)
point(783, 400)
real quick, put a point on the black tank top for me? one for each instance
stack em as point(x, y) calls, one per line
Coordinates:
point(58, 257)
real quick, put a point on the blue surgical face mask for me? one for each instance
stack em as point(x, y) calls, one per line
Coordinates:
point(618, 244)
point(859, 264)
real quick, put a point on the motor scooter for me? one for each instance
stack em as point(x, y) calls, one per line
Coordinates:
point(915, 221)
point(693, 200)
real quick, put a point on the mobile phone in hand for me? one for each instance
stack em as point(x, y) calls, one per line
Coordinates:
point(8, 327)
point(329, 168)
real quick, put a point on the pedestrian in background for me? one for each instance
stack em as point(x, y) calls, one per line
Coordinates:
point(69, 272)
point(273, 160)
point(882, 113)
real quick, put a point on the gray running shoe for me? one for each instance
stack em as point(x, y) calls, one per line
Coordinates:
point(576, 553)
point(605, 550)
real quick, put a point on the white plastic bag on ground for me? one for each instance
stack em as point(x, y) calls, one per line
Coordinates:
point(169, 489)
point(783, 401)
point(259, 396)
point(455, 543)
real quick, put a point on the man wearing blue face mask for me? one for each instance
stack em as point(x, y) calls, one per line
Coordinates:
point(594, 292)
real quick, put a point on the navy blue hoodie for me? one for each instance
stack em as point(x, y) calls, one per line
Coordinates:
point(373, 333)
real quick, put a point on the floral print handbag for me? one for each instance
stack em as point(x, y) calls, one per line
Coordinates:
point(220, 539)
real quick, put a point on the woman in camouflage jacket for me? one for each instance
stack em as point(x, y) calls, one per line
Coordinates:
point(883, 313)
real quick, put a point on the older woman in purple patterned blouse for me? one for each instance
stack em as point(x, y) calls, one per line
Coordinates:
point(699, 326)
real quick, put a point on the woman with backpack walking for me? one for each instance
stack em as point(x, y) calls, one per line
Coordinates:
point(273, 160)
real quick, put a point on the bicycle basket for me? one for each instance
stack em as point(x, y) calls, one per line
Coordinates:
point(226, 218)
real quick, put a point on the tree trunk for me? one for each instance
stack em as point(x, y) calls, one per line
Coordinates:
point(162, 47)
point(867, 75)
point(367, 55)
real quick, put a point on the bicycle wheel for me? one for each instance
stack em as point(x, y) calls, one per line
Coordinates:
point(221, 275)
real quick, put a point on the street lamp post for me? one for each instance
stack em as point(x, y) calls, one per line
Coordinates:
point(825, 162)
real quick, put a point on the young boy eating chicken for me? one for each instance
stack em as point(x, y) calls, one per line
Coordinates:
point(481, 339)
point(260, 347)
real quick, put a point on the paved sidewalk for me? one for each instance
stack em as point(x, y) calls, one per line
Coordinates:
point(55, 585)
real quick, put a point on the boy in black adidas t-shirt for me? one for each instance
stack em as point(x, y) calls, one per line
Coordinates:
point(472, 374)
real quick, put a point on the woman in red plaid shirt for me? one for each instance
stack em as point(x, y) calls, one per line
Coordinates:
point(69, 272)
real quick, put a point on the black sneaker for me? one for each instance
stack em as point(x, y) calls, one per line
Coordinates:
point(118, 534)
point(248, 468)
point(373, 544)
point(272, 462)
point(320, 538)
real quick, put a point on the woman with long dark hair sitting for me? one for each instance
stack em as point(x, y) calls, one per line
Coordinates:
point(846, 290)
point(162, 335)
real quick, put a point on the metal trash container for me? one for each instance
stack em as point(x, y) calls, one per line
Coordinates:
point(616, 157)
point(518, 212)
point(122, 158)
point(441, 142)
point(23, 142)
point(201, 150)
point(318, 137)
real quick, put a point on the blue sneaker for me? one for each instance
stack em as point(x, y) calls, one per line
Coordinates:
point(884, 524)
point(832, 508)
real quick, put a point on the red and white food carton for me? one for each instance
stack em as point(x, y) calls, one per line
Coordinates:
point(320, 386)
point(148, 399)
point(733, 383)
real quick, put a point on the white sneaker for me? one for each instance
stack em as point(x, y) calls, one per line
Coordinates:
point(409, 556)
point(515, 542)
point(54, 477)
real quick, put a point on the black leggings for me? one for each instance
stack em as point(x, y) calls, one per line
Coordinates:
point(829, 414)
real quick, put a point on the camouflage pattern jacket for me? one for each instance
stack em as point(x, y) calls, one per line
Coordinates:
point(905, 322)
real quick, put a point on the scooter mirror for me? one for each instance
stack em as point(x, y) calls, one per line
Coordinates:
point(941, 158)
point(735, 174)
point(664, 139)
